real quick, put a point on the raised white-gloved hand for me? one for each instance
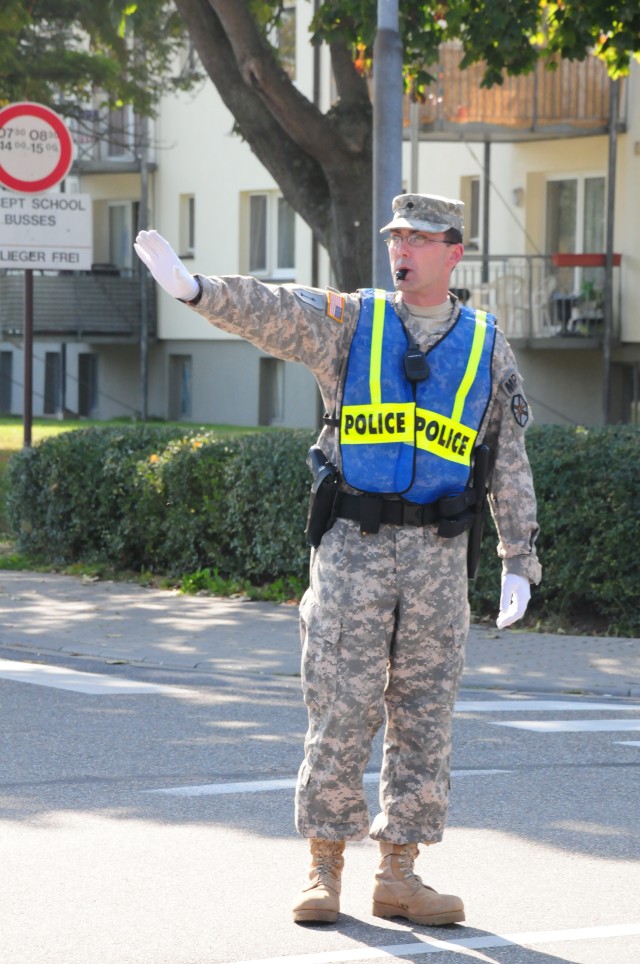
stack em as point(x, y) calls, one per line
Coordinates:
point(514, 599)
point(165, 265)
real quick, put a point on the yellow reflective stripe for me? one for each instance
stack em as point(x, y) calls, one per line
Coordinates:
point(390, 422)
point(472, 365)
point(444, 437)
point(377, 331)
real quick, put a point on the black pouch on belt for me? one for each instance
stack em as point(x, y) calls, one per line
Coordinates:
point(324, 490)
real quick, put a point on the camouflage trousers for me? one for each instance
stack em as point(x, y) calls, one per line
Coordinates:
point(383, 625)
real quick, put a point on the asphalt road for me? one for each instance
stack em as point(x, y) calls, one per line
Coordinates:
point(147, 819)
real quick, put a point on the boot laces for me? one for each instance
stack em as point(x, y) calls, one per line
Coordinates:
point(407, 858)
point(326, 860)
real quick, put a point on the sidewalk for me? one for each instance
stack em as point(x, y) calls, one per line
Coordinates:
point(49, 613)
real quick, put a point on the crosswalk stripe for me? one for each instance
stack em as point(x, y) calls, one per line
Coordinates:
point(535, 706)
point(265, 786)
point(431, 945)
point(62, 678)
point(572, 726)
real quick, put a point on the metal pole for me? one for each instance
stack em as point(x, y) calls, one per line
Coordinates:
point(144, 314)
point(415, 144)
point(27, 416)
point(315, 247)
point(387, 131)
point(607, 334)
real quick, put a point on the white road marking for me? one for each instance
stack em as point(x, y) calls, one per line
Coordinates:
point(534, 706)
point(59, 677)
point(627, 742)
point(431, 945)
point(264, 786)
point(573, 726)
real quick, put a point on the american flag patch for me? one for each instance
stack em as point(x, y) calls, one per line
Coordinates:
point(335, 306)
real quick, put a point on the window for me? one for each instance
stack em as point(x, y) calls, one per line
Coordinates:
point(87, 383)
point(52, 382)
point(6, 380)
point(286, 41)
point(575, 223)
point(271, 236)
point(473, 229)
point(121, 227)
point(121, 128)
point(187, 225)
point(271, 392)
point(179, 387)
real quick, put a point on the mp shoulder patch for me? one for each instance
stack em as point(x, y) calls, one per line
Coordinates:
point(511, 383)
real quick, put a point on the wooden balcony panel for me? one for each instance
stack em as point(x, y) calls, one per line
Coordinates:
point(78, 306)
point(572, 99)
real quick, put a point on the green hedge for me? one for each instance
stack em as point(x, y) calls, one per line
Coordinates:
point(156, 499)
point(588, 490)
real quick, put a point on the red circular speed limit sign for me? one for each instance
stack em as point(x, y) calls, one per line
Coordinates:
point(35, 148)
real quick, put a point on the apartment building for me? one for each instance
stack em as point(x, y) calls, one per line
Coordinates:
point(544, 164)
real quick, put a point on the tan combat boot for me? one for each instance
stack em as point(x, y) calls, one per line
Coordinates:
point(398, 892)
point(320, 897)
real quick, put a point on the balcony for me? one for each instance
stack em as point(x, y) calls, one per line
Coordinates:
point(110, 143)
point(83, 306)
point(572, 100)
point(540, 301)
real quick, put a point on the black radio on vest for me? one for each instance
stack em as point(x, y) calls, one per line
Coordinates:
point(415, 365)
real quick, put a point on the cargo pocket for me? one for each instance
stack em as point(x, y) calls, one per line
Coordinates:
point(320, 631)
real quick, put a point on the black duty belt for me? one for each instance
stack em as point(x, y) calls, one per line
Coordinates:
point(452, 515)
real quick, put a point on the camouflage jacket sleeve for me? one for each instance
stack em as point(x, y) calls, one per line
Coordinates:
point(306, 325)
point(511, 494)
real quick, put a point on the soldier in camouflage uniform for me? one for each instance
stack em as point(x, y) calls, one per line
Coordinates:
point(385, 619)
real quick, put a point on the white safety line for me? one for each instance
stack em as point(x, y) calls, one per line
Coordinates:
point(62, 678)
point(264, 786)
point(627, 742)
point(573, 726)
point(534, 706)
point(431, 945)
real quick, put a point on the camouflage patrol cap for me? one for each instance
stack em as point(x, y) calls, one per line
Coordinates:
point(425, 212)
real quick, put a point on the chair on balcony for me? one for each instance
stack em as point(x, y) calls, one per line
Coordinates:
point(506, 298)
point(544, 324)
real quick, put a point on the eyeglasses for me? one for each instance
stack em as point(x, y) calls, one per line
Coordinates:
point(415, 240)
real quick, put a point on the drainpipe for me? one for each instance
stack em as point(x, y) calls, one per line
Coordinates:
point(607, 337)
point(486, 189)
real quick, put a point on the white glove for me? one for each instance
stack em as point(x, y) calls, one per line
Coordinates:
point(165, 265)
point(514, 599)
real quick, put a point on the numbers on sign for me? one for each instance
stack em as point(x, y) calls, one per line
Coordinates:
point(7, 132)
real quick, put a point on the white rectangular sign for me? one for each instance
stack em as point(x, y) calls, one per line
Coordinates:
point(51, 232)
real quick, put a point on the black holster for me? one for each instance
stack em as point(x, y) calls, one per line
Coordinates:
point(480, 477)
point(324, 490)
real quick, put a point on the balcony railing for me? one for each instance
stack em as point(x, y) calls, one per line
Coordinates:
point(109, 143)
point(91, 306)
point(542, 300)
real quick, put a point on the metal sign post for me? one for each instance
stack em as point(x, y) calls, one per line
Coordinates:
point(36, 152)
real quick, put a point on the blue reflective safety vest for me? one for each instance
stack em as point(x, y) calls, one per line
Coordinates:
point(413, 439)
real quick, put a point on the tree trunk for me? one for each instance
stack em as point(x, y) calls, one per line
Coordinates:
point(321, 162)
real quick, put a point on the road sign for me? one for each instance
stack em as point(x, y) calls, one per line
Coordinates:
point(46, 232)
point(36, 149)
